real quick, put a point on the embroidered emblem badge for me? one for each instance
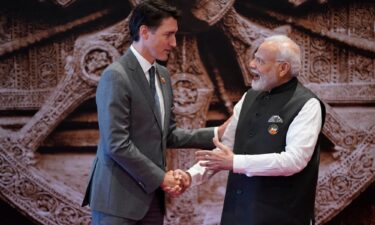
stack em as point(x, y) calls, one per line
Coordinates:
point(275, 119)
point(273, 129)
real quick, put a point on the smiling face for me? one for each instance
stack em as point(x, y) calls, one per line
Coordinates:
point(265, 68)
point(159, 42)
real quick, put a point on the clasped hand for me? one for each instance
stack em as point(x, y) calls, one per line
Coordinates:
point(176, 182)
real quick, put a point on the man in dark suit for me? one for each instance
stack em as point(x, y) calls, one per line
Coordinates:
point(136, 123)
point(271, 144)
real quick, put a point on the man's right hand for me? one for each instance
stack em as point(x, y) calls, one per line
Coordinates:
point(171, 183)
point(182, 182)
point(185, 179)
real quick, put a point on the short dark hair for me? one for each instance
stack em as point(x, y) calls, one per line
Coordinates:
point(150, 13)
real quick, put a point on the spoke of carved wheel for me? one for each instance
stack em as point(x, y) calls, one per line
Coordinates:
point(192, 90)
point(29, 188)
point(346, 179)
point(244, 36)
point(68, 95)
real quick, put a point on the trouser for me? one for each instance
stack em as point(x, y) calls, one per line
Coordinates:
point(154, 216)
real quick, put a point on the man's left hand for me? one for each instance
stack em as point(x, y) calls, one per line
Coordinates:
point(220, 158)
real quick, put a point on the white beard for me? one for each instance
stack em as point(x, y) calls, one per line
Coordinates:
point(259, 85)
point(264, 83)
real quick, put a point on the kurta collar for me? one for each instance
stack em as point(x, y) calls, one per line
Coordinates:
point(286, 86)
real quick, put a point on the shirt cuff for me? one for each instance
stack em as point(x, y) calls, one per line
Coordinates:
point(216, 132)
point(199, 174)
point(239, 164)
point(195, 175)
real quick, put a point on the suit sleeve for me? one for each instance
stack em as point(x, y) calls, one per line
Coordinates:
point(182, 138)
point(114, 109)
point(199, 138)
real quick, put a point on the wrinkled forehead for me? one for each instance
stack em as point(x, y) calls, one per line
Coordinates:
point(267, 51)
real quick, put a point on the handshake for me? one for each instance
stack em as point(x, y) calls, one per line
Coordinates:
point(176, 182)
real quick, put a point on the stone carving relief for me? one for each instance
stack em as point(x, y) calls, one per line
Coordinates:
point(55, 78)
point(192, 93)
point(211, 11)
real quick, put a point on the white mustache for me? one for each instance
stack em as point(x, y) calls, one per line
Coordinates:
point(255, 72)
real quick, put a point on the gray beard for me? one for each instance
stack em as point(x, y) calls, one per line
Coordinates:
point(264, 83)
point(257, 85)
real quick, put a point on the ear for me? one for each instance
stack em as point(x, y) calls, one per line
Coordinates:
point(284, 69)
point(143, 32)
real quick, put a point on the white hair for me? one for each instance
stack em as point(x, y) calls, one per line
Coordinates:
point(288, 51)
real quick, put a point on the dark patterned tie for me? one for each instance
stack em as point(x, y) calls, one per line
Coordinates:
point(153, 90)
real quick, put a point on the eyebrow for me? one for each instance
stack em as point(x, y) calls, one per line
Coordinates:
point(258, 58)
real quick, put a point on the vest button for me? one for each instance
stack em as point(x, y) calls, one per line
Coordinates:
point(251, 135)
point(238, 191)
point(256, 114)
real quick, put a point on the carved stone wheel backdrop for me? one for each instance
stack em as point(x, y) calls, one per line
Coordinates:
point(338, 65)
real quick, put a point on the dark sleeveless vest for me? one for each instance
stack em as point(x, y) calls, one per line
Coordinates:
point(262, 127)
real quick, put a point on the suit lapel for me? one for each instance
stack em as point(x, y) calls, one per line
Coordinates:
point(131, 63)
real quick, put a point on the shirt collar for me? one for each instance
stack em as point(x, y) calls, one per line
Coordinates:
point(145, 65)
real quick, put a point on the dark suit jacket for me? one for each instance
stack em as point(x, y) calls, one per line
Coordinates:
point(130, 161)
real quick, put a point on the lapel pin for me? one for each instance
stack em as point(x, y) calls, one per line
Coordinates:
point(162, 80)
point(273, 129)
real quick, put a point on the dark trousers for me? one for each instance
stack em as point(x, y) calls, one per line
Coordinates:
point(154, 216)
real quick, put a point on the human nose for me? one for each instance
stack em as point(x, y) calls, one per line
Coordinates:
point(173, 41)
point(252, 64)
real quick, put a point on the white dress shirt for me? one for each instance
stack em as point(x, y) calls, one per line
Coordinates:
point(301, 139)
point(146, 65)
